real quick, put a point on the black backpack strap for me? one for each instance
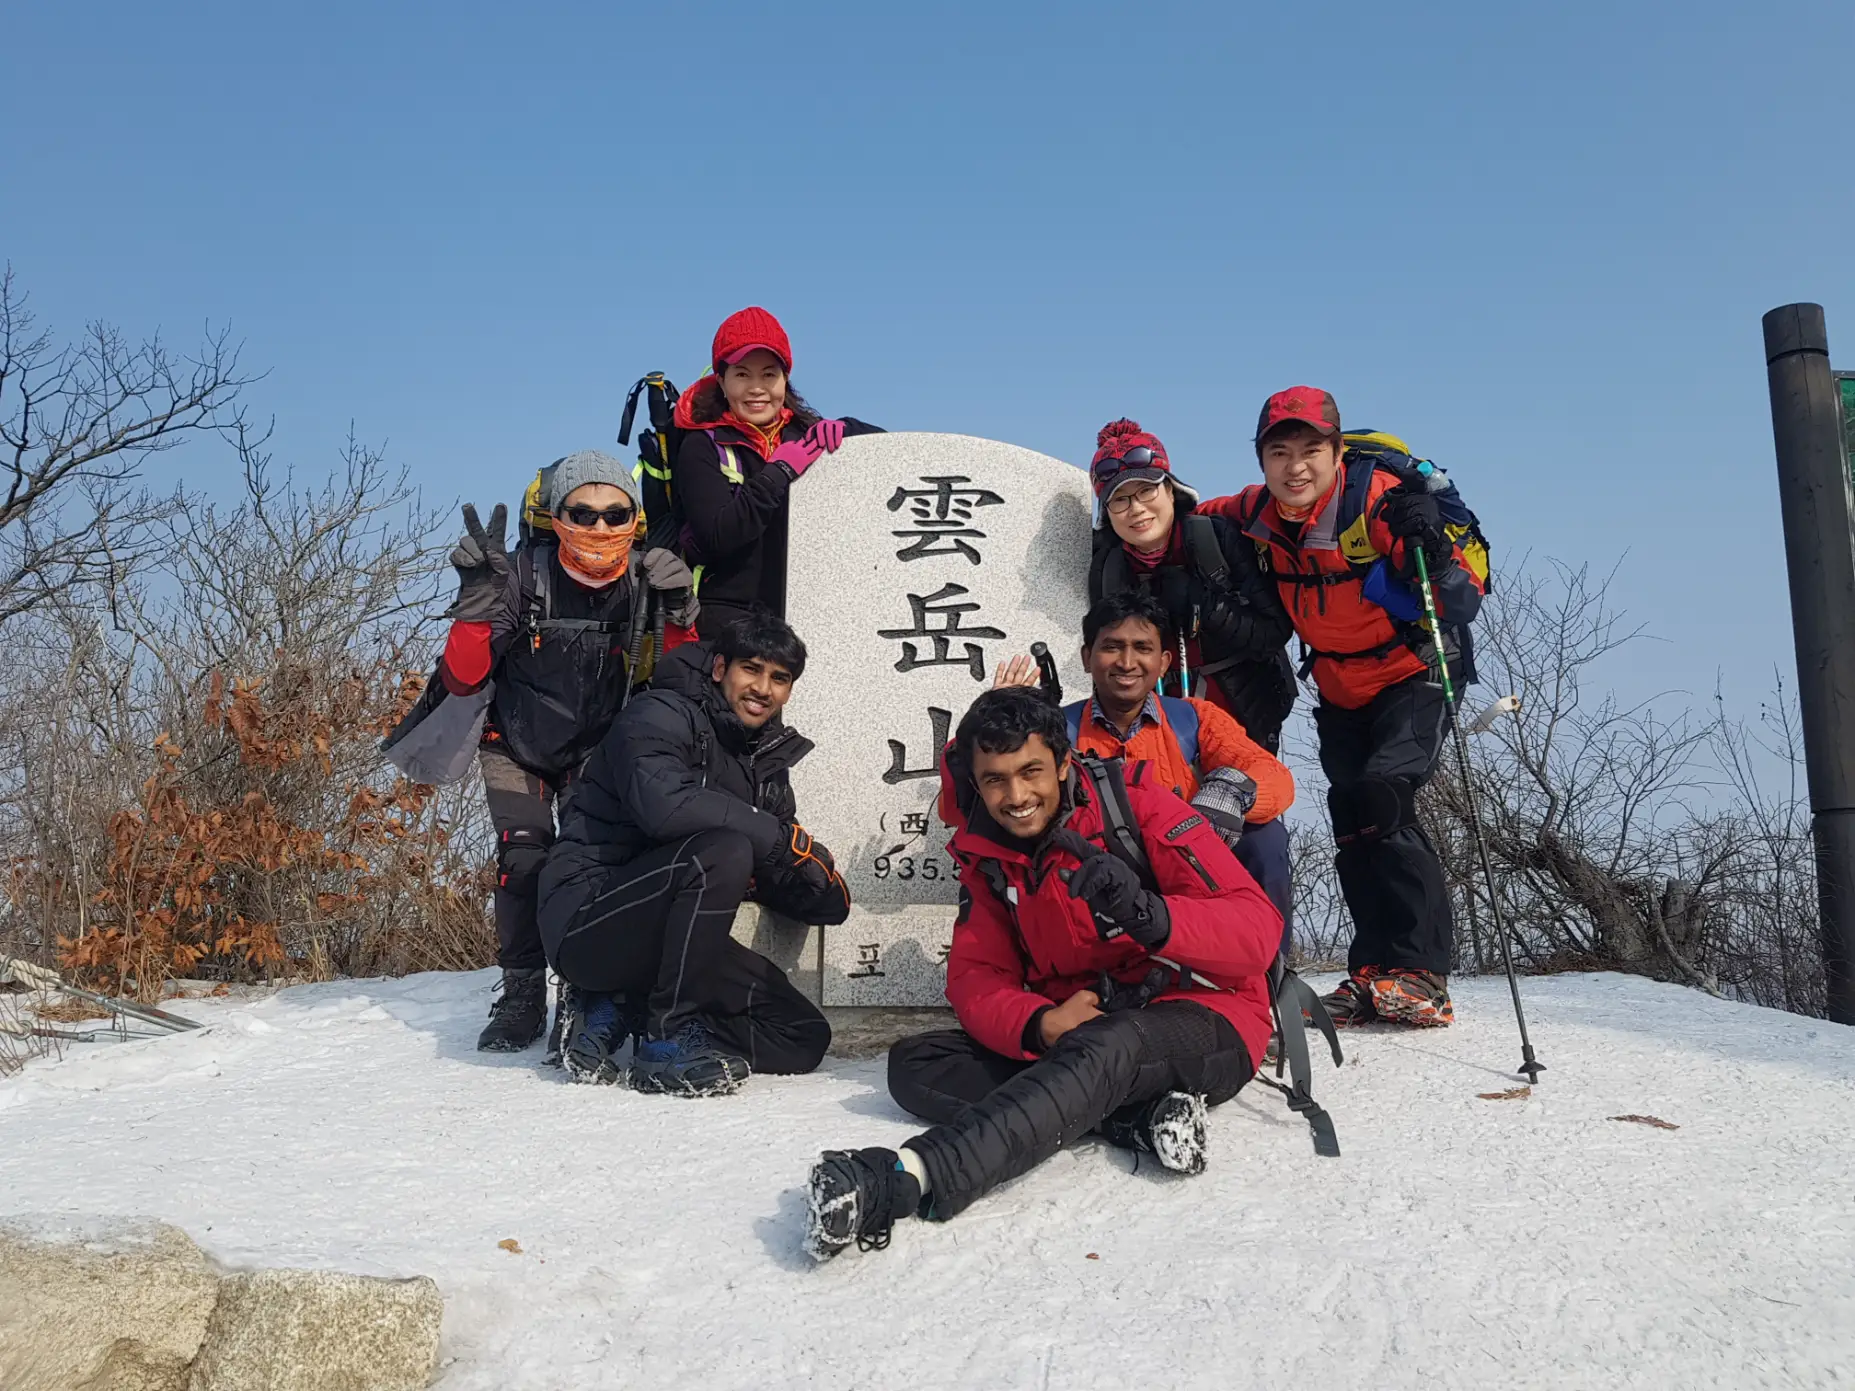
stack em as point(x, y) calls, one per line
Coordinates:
point(1108, 784)
point(1116, 574)
point(1289, 997)
point(1207, 556)
point(532, 577)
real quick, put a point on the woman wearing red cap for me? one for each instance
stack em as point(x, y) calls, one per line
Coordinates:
point(747, 438)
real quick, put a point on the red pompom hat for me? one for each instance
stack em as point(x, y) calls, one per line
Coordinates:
point(1124, 454)
point(743, 331)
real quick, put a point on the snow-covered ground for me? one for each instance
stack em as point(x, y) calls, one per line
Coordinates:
point(1459, 1242)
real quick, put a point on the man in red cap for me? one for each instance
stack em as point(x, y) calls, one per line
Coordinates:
point(1341, 528)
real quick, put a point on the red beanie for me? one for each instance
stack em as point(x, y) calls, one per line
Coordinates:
point(741, 332)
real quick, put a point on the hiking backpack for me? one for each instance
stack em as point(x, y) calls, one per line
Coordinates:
point(663, 520)
point(1290, 997)
point(1366, 453)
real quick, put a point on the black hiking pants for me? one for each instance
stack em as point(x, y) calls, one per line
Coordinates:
point(658, 927)
point(1393, 883)
point(521, 806)
point(995, 1118)
point(1264, 851)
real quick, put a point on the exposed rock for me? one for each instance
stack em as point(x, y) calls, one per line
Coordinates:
point(100, 1305)
point(311, 1330)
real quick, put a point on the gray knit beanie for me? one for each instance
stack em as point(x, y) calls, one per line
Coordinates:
point(588, 466)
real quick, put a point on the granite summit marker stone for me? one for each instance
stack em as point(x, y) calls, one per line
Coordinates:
point(916, 563)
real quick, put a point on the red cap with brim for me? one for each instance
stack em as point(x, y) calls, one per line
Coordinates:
point(1299, 405)
point(739, 353)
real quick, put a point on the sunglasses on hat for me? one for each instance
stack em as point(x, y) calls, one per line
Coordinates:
point(1141, 457)
point(615, 517)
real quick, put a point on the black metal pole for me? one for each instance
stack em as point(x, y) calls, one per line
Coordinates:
point(1819, 545)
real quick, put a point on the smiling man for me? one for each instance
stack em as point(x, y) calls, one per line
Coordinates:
point(1343, 520)
point(686, 810)
point(1091, 996)
point(1127, 643)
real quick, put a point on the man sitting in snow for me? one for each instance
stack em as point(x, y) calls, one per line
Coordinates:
point(684, 811)
point(1087, 999)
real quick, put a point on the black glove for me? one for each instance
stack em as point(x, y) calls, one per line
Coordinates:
point(1173, 588)
point(1114, 894)
point(1119, 995)
point(666, 572)
point(797, 853)
point(481, 560)
point(799, 878)
point(1411, 514)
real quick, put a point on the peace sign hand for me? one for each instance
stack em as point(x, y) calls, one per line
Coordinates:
point(481, 560)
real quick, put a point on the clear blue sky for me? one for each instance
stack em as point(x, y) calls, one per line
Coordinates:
point(1536, 240)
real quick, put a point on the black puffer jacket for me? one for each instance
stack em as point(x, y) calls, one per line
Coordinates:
point(1235, 626)
point(736, 517)
point(676, 762)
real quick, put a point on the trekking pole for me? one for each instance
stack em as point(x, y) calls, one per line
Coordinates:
point(1529, 1065)
point(51, 980)
point(1046, 672)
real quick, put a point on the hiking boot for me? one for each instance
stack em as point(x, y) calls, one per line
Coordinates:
point(1351, 1004)
point(856, 1195)
point(1170, 1127)
point(518, 1015)
point(1419, 998)
point(596, 1028)
point(690, 1063)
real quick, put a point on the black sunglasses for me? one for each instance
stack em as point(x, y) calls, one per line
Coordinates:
point(1133, 458)
point(615, 517)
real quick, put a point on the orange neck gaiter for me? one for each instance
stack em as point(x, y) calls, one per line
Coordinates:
point(765, 437)
point(594, 555)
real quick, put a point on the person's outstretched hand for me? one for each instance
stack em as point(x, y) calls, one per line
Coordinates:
point(481, 560)
point(1021, 670)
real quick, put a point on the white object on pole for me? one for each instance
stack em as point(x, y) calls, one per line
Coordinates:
point(1506, 705)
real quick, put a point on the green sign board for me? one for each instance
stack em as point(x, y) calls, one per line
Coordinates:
point(1846, 381)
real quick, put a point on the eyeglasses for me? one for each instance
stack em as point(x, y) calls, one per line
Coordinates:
point(1142, 493)
point(1141, 457)
point(618, 518)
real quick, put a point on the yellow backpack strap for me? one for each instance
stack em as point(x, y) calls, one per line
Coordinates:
point(534, 506)
point(730, 465)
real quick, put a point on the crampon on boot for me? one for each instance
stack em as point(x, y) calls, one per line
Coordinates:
point(1171, 1128)
point(856, 1195)
point(518, 1015)
point(689, 1063)
point(595, 1027)
point(556, 1034)
point(1351, 1003)
point(1418, 998)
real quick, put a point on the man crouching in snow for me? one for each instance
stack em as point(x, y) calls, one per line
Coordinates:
point(1088, 1001)
point(686, 809)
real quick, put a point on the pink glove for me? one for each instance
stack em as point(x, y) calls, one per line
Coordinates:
point(798, 455)
point(827, 435)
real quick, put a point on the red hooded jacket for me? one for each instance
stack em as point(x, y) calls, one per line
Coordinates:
point(1011, 960)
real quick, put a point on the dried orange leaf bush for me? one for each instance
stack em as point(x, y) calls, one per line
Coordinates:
point(200, 791)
